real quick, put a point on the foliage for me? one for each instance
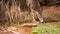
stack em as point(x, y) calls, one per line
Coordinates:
point(47, 28)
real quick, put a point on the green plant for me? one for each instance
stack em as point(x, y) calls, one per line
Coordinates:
point(47, 28)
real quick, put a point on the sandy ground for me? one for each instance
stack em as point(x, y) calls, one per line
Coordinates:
point(21, 30)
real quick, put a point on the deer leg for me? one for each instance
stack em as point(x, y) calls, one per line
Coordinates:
point(39, 17)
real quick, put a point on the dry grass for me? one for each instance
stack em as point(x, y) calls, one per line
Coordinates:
point(15, 16)
point(51, 11)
